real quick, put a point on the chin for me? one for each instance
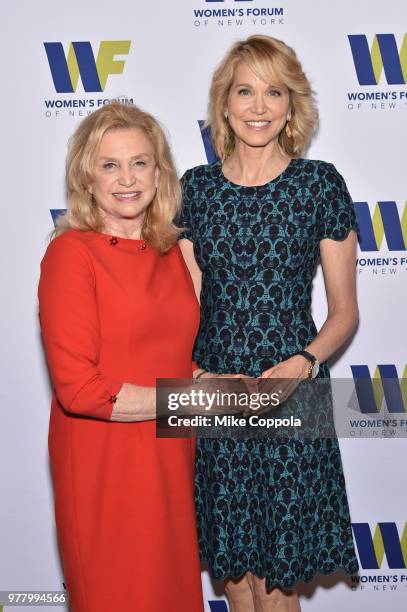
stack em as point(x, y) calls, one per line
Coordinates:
point(256, 142)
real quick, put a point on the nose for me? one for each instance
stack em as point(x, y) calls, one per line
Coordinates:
point(259, 106)
point(127, 176)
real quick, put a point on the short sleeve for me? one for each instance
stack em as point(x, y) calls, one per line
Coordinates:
point(185, 217)
point(338, 217)
point(70, 330)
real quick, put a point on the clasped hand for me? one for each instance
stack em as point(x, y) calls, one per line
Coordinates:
point(282, 379)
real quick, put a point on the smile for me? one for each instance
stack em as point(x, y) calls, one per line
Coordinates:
point(125, 197)
point(258, 124)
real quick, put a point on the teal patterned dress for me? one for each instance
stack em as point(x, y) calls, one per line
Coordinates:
point(276, 509)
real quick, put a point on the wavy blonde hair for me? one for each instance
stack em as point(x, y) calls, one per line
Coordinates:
point(271, 60)
point(82, 211)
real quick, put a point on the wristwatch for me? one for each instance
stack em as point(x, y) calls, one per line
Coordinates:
point(313, 368)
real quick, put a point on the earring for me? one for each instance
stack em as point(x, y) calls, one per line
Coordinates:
point(289, 116)
point(226, 113)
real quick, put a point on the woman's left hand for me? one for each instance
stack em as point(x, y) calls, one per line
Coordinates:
point(284, 377)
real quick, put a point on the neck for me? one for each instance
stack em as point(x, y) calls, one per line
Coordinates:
point(255, 165)
point(123, 228)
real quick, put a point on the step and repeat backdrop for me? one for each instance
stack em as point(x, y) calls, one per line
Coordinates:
point(62, 63)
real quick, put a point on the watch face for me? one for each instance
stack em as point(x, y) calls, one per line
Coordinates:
point(315, 370)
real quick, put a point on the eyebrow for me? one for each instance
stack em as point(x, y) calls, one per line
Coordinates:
point(269, 85)
point(134, 157)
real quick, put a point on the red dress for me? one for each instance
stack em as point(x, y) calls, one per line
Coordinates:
point(114, 310)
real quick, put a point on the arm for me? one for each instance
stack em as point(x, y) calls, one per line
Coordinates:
point(187, 250)
point(186, 221)
point(338, 264)
point(338, 261)
point(71, 335)
point(337, 244)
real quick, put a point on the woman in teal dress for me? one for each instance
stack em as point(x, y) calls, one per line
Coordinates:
point(270, 514)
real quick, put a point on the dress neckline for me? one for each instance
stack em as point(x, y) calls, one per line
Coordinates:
point(110, 235)
point(132, 245)
point(280, 176)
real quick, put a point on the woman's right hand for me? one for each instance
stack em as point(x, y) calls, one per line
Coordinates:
point(247, 385)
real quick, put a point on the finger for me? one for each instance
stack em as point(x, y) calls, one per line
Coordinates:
point(251, 385)
point(272, 385)
point(267, 373)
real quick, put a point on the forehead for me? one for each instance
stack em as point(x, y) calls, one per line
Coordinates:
point(262, 75)
point(132, 140)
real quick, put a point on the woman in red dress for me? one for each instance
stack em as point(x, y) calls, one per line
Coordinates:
point(118, 310)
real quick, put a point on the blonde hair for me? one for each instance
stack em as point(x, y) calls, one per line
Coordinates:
point(82, 212)
point(270, 59)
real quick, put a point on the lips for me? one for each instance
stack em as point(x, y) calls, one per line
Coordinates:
point(257, 125)
point(127, 196)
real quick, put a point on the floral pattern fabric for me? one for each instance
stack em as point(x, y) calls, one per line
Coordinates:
point(276, 508)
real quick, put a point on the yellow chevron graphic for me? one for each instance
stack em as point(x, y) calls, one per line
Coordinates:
point(378, 390)
point(404, 215)
point(403, 58)
point(73, 67)
point(378, 545)
point(403, 544)
point(403, 387)
point(377, 62)
point(378, 227)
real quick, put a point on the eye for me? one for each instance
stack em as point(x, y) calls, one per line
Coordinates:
point(243, 91)
point(139, 163)
point(274, 92)
point(109, 165)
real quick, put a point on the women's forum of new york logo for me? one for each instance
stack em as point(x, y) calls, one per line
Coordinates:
point(80, 61)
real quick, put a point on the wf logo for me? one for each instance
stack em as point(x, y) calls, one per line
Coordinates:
point(385, 222)
point(81, 61)
point(386, 540)
point(384, 54)
point(385, 385)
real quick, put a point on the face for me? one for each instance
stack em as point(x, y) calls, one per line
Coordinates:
point(125, 176)
point(257, 111)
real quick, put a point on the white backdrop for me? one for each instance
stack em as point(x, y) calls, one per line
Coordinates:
point(173, 51)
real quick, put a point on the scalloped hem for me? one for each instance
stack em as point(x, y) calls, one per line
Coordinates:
point(283, 587)
point(353, 228)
